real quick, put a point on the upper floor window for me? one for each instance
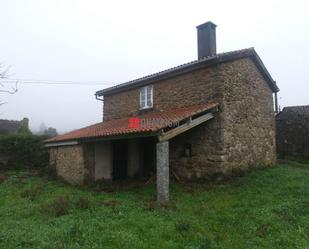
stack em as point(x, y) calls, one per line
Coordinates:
point(146, 97)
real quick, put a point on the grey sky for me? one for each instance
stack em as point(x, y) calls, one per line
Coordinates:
point(116, 41)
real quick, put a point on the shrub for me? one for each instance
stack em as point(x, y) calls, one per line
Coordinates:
point(23, 150)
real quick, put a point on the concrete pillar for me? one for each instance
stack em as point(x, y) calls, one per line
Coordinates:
point(163, 171)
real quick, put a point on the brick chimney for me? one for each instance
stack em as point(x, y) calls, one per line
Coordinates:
point(206, 40)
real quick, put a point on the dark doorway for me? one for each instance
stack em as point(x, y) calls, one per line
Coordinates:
point(148, 156)
point(120, 159)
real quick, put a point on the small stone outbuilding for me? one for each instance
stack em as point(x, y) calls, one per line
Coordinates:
point(293, 131)
point(200, 120)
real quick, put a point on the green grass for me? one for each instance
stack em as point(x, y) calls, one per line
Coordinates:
point(264, 209)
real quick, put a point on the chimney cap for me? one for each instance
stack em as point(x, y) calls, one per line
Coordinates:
point(206, 24)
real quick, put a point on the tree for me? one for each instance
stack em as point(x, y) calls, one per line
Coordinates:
point(3, 75)
point(24, 127)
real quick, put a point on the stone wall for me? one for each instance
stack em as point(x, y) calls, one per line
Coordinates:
point(206, 144)
point(192, 88)
point(89, 161)
point(248, 118)
point(69, 163)
point(292, 134)
point(196, 87)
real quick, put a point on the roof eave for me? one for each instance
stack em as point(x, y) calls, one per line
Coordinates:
point(259, 63)
point(75, 141)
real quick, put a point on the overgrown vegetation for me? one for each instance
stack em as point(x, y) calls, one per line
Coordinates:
point(22, 150)
point(58, 206)
point(267, 208)
point(32, 192)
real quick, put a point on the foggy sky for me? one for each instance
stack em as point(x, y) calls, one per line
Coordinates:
point(115, 41)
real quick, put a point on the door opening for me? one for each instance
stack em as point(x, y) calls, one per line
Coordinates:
point(120, 159)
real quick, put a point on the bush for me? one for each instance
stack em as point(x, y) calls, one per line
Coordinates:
point(23, 151)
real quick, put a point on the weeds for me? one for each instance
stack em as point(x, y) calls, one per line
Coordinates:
point(83, 203)
point(205, 244)
point(183, 226)
point(59, 206)
point(2, 178)
point(32, 193)
point(154, 205)
point(266, 209)
point(111, 204)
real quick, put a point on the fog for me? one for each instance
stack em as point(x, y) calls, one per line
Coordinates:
point(95, 44)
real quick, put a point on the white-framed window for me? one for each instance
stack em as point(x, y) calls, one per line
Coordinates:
point(146, 97)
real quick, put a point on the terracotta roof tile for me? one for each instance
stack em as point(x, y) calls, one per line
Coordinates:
point(150, 122)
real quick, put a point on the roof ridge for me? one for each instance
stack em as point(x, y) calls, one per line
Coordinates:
point(178, 67)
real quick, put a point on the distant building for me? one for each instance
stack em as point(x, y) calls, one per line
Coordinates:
point(50, 132)
point(12, 126)
point(293, 131)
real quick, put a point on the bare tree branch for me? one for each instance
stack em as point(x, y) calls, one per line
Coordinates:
point(12, 91)
point(3, 75)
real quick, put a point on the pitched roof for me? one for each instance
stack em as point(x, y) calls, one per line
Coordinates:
point(148, 123)
point(302, 110)
point(193, 65)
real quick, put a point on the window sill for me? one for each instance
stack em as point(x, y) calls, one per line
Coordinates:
point(145, 108)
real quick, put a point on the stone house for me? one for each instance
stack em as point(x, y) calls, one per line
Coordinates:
point(203, 119)
point(293, 131)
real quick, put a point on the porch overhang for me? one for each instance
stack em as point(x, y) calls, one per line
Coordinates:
point(191, 123)
point(163, 125)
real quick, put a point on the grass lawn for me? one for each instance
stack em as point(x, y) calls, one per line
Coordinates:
point(264, 209)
